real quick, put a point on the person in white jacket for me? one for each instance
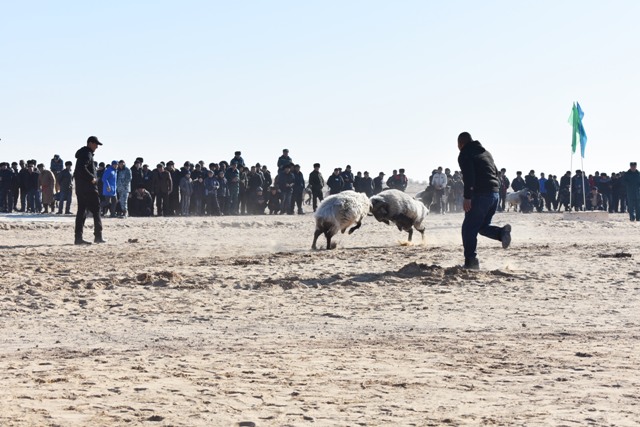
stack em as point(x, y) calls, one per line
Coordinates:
point(439, 184)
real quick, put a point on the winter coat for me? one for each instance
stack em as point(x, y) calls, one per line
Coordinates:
point(85, 171)
point(479, 171)
point(161, 182)
point(109, 180)
point(123, 180)
point(47, 182)
point(186, 186)
point(65, 180)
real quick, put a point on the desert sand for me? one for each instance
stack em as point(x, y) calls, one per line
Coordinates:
point(235, 321)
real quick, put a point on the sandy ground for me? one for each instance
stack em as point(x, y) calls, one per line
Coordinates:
point(235, 321)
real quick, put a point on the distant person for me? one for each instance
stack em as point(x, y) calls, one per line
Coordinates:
point(66, 188)
point(378, 183)
point(481, 185)
point(284, 160)
point(87, 191)
point(316, 182)
point(631, 180)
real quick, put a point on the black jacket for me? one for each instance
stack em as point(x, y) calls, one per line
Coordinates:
point(479, 171)
point(85, 171)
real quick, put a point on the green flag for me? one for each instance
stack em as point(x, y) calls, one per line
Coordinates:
point(574, 121)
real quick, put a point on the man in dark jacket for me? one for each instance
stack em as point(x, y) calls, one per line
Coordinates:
point(162, 186)
point(286, 181)
point(378, 183)
point(87, 191)
point(335, 182)
point(316, 181)
point(347, 178)
point(367, 184)
point(481, 185)
point(298, 190)
point(631, 180)
point(518, 182)
point(66, 188)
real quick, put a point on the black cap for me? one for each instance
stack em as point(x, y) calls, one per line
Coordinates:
point(633, 164)
point(93, 139)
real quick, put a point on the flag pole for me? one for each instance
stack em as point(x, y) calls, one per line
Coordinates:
point(584, 193)
point(571, 183)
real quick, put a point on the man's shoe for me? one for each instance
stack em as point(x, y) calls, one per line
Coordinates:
point(81, 242)
point(99, 240)
point(472, 264)
point(506, 236)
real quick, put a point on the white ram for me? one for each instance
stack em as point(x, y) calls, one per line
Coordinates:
point(338, 212)
point(403, 210)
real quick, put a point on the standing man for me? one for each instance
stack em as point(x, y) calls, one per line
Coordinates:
point(439, 183)
point(481, 185)
point(378, 183)
point(631, 179)
point(66, 188)
point(504, 187)
point(87, 191)
point(123, 187)
point(162, 187)
point(316, 181)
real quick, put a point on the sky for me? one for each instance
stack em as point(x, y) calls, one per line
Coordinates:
point(379, 85)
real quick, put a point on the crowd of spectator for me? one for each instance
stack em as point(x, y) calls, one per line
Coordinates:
point(234, 188)
point(618, 192)
point(223, 188)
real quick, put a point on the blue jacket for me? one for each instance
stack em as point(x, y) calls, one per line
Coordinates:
point(109, 181)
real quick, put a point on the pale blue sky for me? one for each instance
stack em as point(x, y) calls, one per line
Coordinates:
point(376, 84)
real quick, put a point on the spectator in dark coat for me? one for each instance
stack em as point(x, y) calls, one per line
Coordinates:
point(378, 183)
point(335, 182)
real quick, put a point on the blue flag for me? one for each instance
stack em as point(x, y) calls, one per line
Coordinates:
point(583, 134)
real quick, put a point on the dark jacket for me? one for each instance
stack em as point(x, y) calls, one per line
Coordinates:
point(162, 182)
point(65, 180)
point(631, 180)
point(298, 183)
point(316, 181)
point(85, 171)
point(335, 183)
point(479, 171)
point(286, 181)
point(377, 184)
point(348, 179)
point(532, 183)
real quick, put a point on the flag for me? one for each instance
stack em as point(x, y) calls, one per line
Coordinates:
point(575, 120)
point(583, 134)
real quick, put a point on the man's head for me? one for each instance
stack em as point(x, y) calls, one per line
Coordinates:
point(285, 152)
point(401, 171)
point(439, 169)
point(237, 154)
point(463, 139)
point(114, 164)
point(633, 165)
point(160, 167)
point(532, 172)
point(316, 166)
point(121, 164)
point(336, 171)
point(93, 142)
point(519, 173)
point(541, 174)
